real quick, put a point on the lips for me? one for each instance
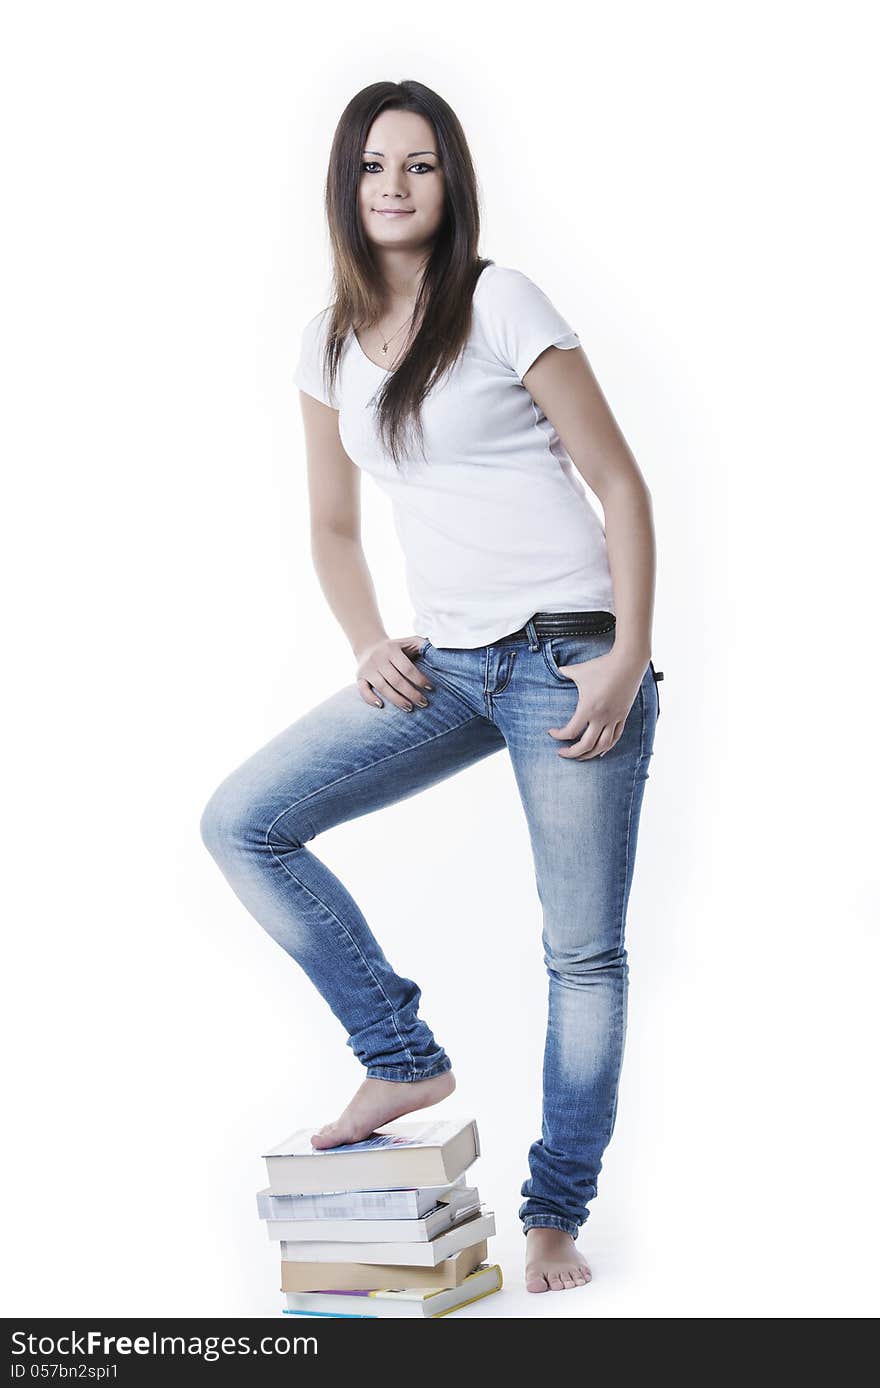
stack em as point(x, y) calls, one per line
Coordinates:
point(394, 211)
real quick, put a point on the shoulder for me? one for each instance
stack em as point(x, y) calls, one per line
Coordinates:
point(309, 373)
point(517, 318)
point(315, 329)
point(501, 288)
point(498, 286)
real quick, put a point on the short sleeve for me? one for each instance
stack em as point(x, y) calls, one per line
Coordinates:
point(309, 371)
point(521, 321)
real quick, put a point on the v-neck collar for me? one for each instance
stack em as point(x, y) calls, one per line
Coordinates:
point(388, 371)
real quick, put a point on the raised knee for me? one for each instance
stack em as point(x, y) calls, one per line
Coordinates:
point(239, 818)
point(210, 823)
point(227, 820)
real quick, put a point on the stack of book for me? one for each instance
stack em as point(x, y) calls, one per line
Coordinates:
point(382, 1227)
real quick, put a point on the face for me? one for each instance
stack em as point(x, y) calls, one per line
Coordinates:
point(402, 186)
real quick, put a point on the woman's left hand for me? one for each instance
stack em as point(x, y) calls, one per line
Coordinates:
point(607, 689)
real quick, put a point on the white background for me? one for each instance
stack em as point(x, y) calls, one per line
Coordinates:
point(691, 184)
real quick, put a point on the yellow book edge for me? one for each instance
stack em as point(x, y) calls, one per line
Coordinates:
point(479, 1297)
point(471, 1299)
point(464, 1281)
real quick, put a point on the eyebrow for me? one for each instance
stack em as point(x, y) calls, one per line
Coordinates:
point(407, 156)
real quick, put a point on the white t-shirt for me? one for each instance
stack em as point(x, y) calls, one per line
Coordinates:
point(495, 521)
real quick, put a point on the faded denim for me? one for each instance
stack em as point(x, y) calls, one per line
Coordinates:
point(346, 758)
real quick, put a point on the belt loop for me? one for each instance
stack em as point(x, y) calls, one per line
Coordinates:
point(531, 633)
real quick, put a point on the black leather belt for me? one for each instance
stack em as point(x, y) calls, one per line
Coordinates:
point(565, 624)
point(548, 624)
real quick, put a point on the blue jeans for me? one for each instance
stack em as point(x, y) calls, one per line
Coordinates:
point(345, 758)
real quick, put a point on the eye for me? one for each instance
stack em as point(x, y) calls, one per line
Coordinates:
point(369, 164)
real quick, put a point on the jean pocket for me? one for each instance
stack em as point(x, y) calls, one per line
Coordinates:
point(423, 648)
point(574, 650)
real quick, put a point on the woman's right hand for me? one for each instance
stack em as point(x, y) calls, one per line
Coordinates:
point(385, 669)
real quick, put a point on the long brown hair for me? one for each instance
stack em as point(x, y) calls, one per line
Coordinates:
point(444, 302)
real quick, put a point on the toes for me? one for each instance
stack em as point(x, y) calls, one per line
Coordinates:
point(536, 1283)
point(323, 1134)
point(560, 1280)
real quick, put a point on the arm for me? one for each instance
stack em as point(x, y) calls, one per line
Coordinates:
point(335, 527)
point(340, 563)
point(563, 384)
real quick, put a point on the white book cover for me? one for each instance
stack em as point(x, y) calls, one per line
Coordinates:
point(428, 1254)
point(418, 1134)
point(416, 1154)
point(364, 1231)
point(392, 1202)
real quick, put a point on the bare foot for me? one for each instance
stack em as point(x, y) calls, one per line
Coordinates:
point(378, 1102)
point(553, 1263)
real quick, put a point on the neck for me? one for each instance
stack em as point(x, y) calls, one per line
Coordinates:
point(401, 272)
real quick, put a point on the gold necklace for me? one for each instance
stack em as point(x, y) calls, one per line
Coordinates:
point(394, 335)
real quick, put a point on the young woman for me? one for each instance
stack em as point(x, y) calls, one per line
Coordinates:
point(458, 386)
